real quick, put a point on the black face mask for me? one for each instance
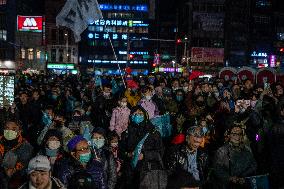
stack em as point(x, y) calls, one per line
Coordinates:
point(58, 124)
point(200, 103)
point(77, 118)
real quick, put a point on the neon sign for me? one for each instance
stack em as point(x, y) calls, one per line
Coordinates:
point(60, 66)
point(117, 62)
point(254, 54)
point(125, 23)
point(272, 61)
point(134, 52)
point(29, 23)
point(179, 70)
point(114, 36)
point(138, 8)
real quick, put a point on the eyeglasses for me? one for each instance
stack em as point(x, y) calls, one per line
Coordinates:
point(237, 134)
point(83, 149)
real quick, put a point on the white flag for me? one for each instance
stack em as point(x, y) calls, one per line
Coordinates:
point(78, 14)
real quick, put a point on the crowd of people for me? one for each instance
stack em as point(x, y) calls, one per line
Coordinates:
point(72, 131)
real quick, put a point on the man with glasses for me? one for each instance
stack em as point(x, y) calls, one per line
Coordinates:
point(80, 161)
point(189, 163)
point(234, 161)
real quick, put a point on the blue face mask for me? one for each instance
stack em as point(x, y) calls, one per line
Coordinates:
point(54, 97)
point(137, 118)
point(51, 153)
point(88, 113)
point(179, 98)
point(85, 158)
point(98, 143)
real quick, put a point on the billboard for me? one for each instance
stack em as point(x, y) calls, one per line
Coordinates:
point(29, 23)
point(213, 22)
point(201, 54)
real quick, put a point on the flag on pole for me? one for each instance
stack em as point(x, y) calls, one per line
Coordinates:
point(78, 14)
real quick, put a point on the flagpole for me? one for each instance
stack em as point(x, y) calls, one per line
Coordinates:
point(113, 50)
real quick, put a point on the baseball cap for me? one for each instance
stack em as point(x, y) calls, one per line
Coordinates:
point(39, 163)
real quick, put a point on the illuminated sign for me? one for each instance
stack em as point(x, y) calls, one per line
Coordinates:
point(7, 89)
point(29, 23)
point(61, 66)
point(169, 70)
point(126, 23)
point(134, 52)
point(114, 36)
point(254, 54)
point(272, 61)
point(117, 62)
point(138, 8)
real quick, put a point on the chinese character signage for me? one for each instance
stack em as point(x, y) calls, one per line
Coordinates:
point(199, 54)
point(7, 83)
point(61, 66)
point(117, 62)
point(208, 21)
point(136, 8)
point(29, 23)
point(124, 23)
point(105, 36)
point(260, 54)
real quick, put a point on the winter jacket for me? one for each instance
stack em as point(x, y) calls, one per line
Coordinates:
point(229, 162)
point(276, 147)
point(119, 120)
point(132, 99)
point(150, 107)
point(22, 150)
point(105, 157)
point(152, 151)
point(68, 167)
point(177, 162)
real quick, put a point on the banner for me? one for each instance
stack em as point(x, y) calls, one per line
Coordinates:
point(78, 14)
point(200, 54)
point(258, 182)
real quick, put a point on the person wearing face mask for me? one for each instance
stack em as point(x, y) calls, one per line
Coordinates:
point(147, 103)
point(104, 156)
point(80, 160)
point(120, 116)
point(52, 146)
point(103, 106)
point(12, 142)
point(142, 151)
point(233, 161)
point(131, 93)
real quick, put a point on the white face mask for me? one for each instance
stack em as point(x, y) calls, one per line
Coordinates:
point(123, 104)
point(53, 144)
point(148, 97)
point(185, 89)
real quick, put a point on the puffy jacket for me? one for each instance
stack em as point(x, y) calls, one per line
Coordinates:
point(119, 120)
point(178, 161)
point(109, 165)
point(229, 162)
point(68, 167)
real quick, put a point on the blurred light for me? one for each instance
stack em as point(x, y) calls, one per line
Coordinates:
point(90, 36)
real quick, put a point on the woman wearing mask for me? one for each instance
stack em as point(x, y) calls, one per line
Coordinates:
point(52, 146)
point(147, 103)
point(142, 148)
point(104, 156)
point(120, 117)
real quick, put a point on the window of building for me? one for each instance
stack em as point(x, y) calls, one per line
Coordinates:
point(23, 53)
point(53, 55)
point(60, 55)
point(38, 54)
point(53, 34)
point(31, 54)
point(3, 35)
point(3, 2)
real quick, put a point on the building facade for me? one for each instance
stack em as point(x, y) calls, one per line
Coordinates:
point(61, 49)
point(124, 30)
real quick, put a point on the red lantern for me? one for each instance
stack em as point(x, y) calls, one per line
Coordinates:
point(128, 70)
